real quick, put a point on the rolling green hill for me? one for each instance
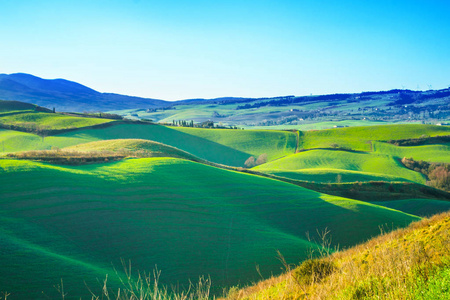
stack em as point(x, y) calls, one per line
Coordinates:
point(50, 121)
point(74, 222)
point(359, 138)
point(431, 153)
point(409, 263)
point(133, 146)
point(229, 147)
point(332, 175)
point(215, 145)
point(13, 141)
point(419, 207)
point(370, 164)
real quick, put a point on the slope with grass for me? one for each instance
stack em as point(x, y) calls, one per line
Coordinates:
point(133, 146)
point(254, 142)
point(315, 163)
point(50, 121)
point(229, 147)
point(187, 218)
point(411, 263)
point(419, 207)
point(359, 138)
point(432, 153)
point(12, 141)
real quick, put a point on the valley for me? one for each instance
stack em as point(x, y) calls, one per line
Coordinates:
point(81, 195)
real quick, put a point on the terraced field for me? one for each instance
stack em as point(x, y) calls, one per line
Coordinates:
point(323, 166)
point(359, 138)
point(74, 222)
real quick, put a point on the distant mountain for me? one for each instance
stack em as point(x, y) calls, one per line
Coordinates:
point(67, 95)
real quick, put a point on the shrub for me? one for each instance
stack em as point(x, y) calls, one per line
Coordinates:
point(313, 270)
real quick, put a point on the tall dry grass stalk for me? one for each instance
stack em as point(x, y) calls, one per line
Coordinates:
point(147, 286)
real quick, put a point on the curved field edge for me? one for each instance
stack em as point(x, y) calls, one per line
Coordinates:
point(225, 222)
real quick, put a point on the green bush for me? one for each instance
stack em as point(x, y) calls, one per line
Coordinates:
point(313, 270)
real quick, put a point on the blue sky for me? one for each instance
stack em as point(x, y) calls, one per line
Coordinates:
point(204, 49)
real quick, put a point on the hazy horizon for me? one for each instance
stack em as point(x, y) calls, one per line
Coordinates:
point(176, 50)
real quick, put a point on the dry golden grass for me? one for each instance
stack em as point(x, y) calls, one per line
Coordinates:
point(386, 267)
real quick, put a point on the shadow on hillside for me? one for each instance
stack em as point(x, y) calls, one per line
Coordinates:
point(195, 145)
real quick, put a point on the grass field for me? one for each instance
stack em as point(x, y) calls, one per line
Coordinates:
point(333, 175)
point(133, 146)
point(369, 164)
point(16, 106)
point(405, 264)
point(431, 153)
point(12, 141)
point(359, 138)
point(229, 147)
point(50, 120)
point(74, 222)
point(419, 207)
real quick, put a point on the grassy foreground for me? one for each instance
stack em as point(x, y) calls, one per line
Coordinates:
point(411, 263)
point(74, 222)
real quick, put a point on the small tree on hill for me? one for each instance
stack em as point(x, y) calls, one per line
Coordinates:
point(250, 162)
point(262, 159)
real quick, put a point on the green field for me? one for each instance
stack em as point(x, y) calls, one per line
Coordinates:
point(431, 153)
point(133, 146)
point(359, 138)
point(50, 120)
point(187, 218)
point(13, 141)
point(332, 175)
point(370, 164)
point(419, 207)
point(215, 145)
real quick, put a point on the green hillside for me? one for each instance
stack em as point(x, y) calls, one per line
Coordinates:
point(12, 141)
point(13, 107)
point(133, 146)
point(431, 153)
point(332, 175)
point(229, 147)
point(254, 142)
point(74, 222)
point(409, 263)
point(419, 207)
point(359, 138)
point(50, 121)
point(368, 163)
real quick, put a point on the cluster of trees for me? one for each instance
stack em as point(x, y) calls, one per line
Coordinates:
point(101, 115)
point(183, 123)
point(438, 174)
point(205, 124)
point(252, 161)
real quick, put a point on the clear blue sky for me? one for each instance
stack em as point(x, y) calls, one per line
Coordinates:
point(204, 49)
